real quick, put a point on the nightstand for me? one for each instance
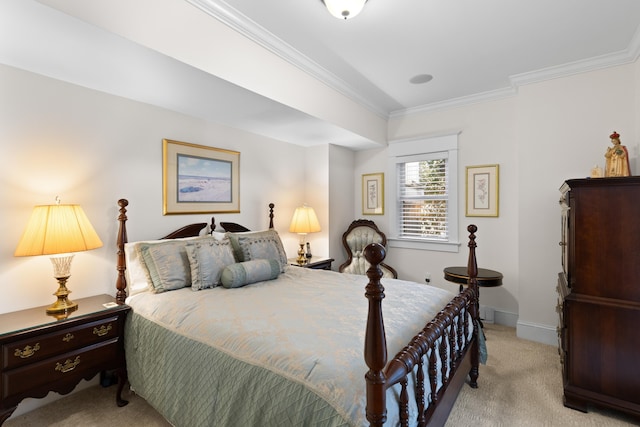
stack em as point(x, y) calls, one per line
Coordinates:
point(315, 263)
point(40, 353)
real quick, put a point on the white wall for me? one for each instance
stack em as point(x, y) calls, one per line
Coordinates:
point(341, 195)
point(563, 130)
point(92, 148)
point(316, 186)
point(548, 132)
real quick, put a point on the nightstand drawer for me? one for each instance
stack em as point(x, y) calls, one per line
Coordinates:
point(57, 370)
point(37, 348)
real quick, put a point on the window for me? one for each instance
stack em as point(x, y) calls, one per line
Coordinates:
point(425, 193)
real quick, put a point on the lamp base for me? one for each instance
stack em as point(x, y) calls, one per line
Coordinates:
point(63, 304)
point(301, 260)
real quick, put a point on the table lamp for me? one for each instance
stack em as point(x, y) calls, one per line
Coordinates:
point(304, 221)
point(58, 230)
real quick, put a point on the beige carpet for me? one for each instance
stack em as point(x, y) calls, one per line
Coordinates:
point(520, 386)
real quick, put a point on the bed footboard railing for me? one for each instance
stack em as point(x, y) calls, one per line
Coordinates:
point(448, 337)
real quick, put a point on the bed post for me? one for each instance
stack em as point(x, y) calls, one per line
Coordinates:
point(121, 281)
point(472, 272)
point(375, 343)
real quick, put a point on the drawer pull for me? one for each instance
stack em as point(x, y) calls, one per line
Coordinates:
point(27, 352)
point(103, 330)
point(68, 337)
point(68, 365)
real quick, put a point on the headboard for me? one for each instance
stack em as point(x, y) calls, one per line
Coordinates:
point(189, 230)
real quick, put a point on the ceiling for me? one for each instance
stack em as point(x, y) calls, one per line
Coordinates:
point(470, 47)
point(474, 51)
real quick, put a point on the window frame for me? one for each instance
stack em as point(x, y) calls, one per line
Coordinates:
point(402, 151)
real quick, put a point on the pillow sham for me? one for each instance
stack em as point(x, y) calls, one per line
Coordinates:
point(247, 272)
point(251, 245)
point(207, 258)
point(137, 274)
point(167, 264)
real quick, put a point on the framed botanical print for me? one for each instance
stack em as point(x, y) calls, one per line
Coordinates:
point(199, 179)
point(373, 194)
point(482, 190)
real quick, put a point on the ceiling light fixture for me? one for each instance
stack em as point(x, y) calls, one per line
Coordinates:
point(344, 9)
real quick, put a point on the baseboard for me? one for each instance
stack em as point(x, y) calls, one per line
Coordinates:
point(543, 334)
point(539, 333)
point(491, 315)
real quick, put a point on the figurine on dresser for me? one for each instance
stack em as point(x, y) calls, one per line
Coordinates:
point(617, 158)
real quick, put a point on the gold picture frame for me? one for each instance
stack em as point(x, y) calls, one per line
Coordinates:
point(373, 194)
point(482, 190)
point(199, 179)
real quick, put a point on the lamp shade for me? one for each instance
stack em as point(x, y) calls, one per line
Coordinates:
point(344, 9)
point(57, 229)
point(304, 221)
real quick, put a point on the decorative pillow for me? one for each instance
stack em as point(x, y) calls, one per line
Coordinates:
point(245, 273)
point(253, 245)
point(168, 264)
point(137, 273)
point(207, 258)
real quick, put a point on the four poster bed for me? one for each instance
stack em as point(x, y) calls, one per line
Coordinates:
point(223, 332)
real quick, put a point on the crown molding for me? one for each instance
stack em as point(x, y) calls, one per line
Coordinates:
point(462, 101)
point(233, 18)
point(577, 67)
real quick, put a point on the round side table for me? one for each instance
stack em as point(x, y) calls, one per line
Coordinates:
point(486, 278)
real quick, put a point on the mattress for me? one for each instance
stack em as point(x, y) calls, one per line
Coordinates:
point(284, 352)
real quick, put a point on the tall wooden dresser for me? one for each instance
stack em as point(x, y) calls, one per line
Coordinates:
point(599, 293)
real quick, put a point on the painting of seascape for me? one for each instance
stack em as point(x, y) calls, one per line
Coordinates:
point(203, 180)
point(199, 179)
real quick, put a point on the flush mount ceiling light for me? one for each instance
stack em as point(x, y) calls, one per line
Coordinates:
point(344, 9)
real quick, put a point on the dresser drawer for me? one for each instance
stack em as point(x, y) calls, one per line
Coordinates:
point(28, 351)
point(70, 366)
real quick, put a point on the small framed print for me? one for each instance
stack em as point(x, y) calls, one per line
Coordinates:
point(199, 179)
point(482, 190)
point(373, 194)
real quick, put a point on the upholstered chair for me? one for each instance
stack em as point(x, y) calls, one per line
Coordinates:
point(360, 233)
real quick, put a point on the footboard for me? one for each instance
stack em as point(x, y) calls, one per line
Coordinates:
point(451, 337)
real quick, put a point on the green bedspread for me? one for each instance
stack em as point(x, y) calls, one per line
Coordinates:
point(286, 352)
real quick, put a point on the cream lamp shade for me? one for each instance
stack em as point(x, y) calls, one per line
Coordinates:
point(344, 9)
point(58, 230)
point(304, 221)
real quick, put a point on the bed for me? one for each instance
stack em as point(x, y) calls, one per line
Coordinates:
point(267, 344)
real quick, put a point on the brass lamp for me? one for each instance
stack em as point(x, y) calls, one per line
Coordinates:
point(304, 221)
point(58, 230)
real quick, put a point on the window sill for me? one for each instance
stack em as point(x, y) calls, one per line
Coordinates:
point(430, 245)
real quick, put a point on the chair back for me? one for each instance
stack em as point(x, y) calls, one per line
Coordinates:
point(360, 233)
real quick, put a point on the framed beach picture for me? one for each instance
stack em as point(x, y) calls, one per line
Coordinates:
point(199, 179)
point(373, 194)
point(482, 190)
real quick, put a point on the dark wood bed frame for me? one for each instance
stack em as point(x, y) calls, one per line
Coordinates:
point(438, 335)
